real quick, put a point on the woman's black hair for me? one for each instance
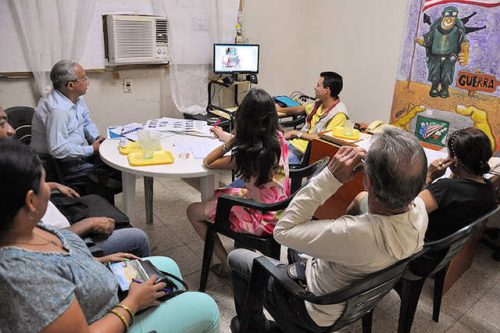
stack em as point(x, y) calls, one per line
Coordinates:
point(471, 147)
point(256, 147)
point(20, 171)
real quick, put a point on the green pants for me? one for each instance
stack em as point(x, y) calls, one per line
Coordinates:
point(441, 69)
point(189, 312)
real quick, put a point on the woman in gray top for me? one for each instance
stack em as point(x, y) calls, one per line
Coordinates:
point(49, 281)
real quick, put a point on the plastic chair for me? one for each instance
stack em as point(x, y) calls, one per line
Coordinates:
point(20, 119)
point(434, 262)
point(305, 158)
point(265, 244)
point(359, 298)
point(490, 239)
point(296, 122)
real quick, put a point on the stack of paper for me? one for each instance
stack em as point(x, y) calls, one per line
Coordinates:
point(189, 126)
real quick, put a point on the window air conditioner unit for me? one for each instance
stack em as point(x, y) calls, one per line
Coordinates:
point(133, 39)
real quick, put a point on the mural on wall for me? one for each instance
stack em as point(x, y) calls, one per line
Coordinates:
point(449, 70)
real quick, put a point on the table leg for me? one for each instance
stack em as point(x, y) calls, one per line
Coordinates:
point(128, 183)
point(148, 198)
point(208, 185)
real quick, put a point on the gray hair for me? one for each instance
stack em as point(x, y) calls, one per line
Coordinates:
point(63, 72)
point(397, 167)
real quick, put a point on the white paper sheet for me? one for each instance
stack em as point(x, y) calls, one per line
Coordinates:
point(197, 127)
point(129, 131)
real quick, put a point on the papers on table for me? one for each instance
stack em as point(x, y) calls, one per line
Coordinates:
point(187, 126)
point(431, 154)
point(129, 131)
point(196, 149)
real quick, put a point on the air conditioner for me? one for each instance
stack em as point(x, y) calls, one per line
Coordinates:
point(133, 39)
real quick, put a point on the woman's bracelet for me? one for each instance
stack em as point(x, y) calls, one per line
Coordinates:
point(126, 308)
point(121, 317)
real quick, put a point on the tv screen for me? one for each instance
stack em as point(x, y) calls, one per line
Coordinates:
point(236, 58)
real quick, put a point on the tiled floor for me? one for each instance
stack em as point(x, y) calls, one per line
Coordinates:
point(472, 305)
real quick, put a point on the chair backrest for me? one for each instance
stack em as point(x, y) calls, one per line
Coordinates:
point(453, 243)
point(360, 297)
point(20, 119)
point(226, 202)
point(297, 175)
point(305, 158)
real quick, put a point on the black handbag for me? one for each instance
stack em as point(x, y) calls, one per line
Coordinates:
point(77, 209)
point(171, 289)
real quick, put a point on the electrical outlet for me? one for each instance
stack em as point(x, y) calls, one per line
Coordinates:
point(127, 85)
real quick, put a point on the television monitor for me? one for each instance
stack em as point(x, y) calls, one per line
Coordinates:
point(236, 58)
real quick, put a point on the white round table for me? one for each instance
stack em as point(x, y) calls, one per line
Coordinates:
point(184, 166)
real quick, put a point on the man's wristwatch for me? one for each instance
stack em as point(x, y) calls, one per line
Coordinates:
point(299, 134)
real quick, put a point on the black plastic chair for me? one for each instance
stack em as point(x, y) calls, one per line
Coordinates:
point(490, 239)
point(359, 298)
point(305, 158)
point(265, 244)
point(20, 119)
point(435, 262)
point(296, 122)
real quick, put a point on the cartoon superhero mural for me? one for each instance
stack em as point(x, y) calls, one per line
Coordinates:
point(429, 99)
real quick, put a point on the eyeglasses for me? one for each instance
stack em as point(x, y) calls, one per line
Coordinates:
point(84, 78)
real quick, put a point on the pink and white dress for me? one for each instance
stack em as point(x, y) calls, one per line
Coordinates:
point(250, 221)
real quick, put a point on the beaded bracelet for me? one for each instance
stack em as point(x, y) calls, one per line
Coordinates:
point(126, 308)
point(121, 317)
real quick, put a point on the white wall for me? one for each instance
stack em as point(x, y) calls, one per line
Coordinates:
point(279, 27)
point(359, 39)
point(299, 39)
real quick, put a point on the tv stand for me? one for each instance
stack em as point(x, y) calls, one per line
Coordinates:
point(218, 110)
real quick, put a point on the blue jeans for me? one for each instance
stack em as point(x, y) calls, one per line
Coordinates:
point(294, 155)
point(292, 314)
point(189, 312)
point(131, 240)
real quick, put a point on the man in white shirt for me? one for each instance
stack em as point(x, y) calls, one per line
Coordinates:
point(351, 247)
point(62, 127)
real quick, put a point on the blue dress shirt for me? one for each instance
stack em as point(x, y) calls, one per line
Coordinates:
point(62, 128)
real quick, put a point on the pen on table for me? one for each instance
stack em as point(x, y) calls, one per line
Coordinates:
point(166, 290)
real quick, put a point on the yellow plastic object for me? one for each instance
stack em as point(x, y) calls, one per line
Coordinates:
point(131, 147)
point(339, 133)
point(159, 157)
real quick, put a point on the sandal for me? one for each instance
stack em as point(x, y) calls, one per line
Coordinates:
point(222, 271)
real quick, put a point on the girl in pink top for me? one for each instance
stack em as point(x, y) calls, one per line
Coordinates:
point(259, 156)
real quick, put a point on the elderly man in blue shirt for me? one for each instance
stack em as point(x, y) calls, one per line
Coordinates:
point(62, 126)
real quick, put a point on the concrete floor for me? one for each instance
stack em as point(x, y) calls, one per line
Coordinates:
point(472, 305)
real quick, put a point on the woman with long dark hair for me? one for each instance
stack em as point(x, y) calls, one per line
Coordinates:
point(259, 156)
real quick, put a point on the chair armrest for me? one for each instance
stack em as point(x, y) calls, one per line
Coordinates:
point(296, 121)
point(226, 202)
point(264, 267)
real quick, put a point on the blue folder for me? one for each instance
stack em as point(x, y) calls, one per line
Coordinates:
point(286, 100)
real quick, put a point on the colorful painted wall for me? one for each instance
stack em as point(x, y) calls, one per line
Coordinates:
point(448, 69)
